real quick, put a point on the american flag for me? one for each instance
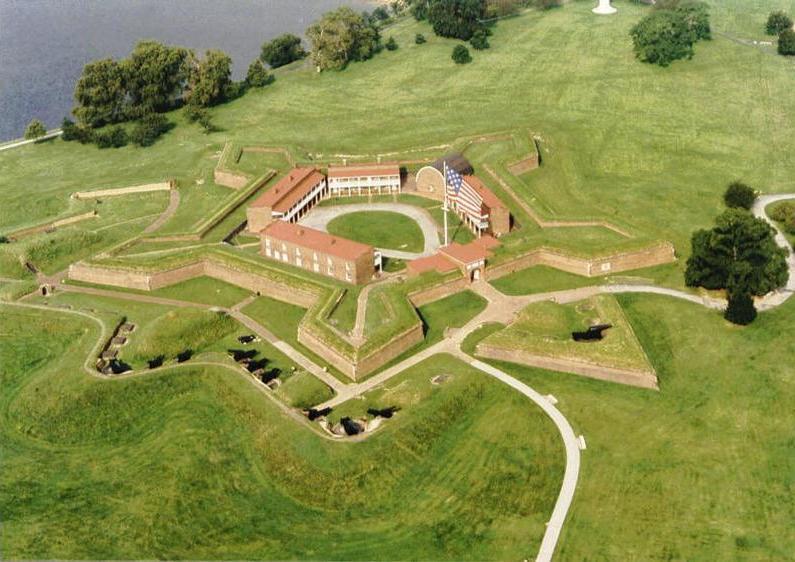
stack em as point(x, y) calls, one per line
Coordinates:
point(454, 180)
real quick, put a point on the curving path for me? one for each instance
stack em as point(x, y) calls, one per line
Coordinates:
point(173, 205)
point(319, 217)
point(759, 210)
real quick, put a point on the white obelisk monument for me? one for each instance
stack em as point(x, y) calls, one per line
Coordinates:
point(604, 8)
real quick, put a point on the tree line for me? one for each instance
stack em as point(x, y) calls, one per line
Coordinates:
point(125, 101)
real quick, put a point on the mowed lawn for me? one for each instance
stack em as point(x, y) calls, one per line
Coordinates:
point(648, 147)
point(704, 469)
point(382, 229)
point(193, 463)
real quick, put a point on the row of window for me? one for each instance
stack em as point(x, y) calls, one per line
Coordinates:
point(298, 260)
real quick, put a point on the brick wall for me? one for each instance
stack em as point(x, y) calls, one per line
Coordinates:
point(593, 267)
point(162, 186)
point(108, 276)
point(440, 291)
point(642, 379)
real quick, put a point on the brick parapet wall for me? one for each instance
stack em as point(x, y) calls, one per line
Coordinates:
point(588, 267)
point(229, 179)
point(439, 291)
point(631, 377)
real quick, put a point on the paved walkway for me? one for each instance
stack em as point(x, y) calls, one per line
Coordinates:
point(319, 217)
point(777, 297)
point(571, 444)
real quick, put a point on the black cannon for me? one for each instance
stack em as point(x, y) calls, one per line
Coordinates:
point(594, 333)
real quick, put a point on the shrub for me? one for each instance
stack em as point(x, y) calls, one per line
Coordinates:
point(777, 23)
point(785, 214)
point(741, 309)
point(419, 39)
point(149, 128)
point(118, 137)
point(461, 55)
point(391, 44)
point(284, 49)
point(35, 129)
point(739, 196)
point(786, 43)
point(480, 40)
point(193, 112)
point(257, 75)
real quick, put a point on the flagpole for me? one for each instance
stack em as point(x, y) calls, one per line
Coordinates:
point(445, 204)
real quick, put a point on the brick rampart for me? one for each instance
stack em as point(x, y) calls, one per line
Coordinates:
point(642, 379)
point(437, 292)
point(587, 267)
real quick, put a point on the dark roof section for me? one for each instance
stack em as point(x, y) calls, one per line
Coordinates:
point(457, 162)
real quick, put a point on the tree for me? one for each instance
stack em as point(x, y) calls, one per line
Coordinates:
point(696, 17)
point(419, 9)
point(81, 133)
point(282, 50)
point(101, 93)
point(739, 254)
point(777, 23)
point(155, 76)
point(149, 128)
point(458, 19)
point(786, 43)
point(342, 36)
point(419, 39)
point(391, 44)
point(209, 79)
point(114, 137)
point(741, 309)
point(461, 55)
point(662, 37)
point(480, 40)
point(257, 75)
point(35, 129)
point(739, 196)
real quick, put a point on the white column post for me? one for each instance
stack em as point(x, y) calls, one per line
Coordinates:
point(604, 8)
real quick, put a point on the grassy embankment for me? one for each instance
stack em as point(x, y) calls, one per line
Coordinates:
point(193, 463)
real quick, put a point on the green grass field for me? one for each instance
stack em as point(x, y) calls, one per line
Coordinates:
point(195, 462)
point(382, 229)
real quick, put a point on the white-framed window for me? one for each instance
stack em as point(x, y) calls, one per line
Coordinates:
point(285, 257)
point(267, 242)
point(329, 263)
point(298, 261)
point(314, 256)
point(317, 267)
point(284, 247)
point(277, 255)
point(348, 276)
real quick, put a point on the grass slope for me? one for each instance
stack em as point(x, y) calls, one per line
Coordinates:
point(197, 464)
point(545, 328)
point(703, 469)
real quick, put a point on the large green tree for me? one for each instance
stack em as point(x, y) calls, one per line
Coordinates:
point(101, 93)
point(282, 50)
point(209, 79)
point(670, 31)
point(739, 254)
point(35, 129)
point(459, 19)
point(342, 36)
point(156, 75)
point(777, 22)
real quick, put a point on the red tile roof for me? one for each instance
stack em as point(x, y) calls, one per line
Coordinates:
point(316, 240)
point(465, 254)
point(289, 190)
point(369, 169)
point(486, 194)
point(435, 262)
point(487, 242)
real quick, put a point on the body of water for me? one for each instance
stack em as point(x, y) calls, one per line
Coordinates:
point(44, 44)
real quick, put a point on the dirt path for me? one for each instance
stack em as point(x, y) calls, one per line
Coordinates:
point(173, 205)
